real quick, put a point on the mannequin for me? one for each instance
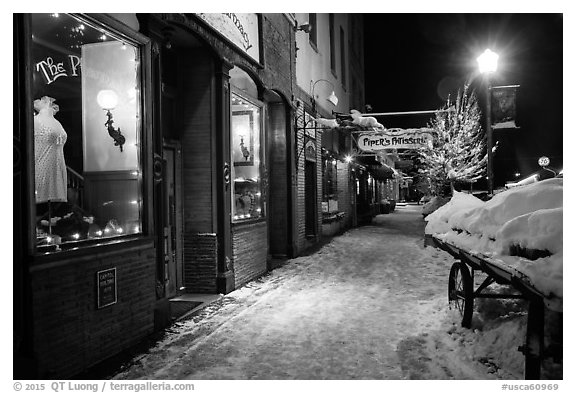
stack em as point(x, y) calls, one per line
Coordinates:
point(49, 140)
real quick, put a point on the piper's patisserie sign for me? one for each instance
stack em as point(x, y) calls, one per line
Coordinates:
point(403, 139)
point(240, 29)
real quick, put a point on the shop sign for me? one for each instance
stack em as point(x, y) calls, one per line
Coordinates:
point(106, 287)
point(310, 150)
point(51, 69)
point(240, 29)
point(395, 139)
point(504, 107)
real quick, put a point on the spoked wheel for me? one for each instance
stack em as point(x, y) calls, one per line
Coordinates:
point(460, 292)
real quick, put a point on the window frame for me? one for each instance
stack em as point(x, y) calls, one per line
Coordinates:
point(332, 38)
point(144, 45)
point(313, 35)
point(261, 156)
point(343, 71)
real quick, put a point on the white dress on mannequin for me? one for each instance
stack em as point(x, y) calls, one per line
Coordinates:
point(49, 140)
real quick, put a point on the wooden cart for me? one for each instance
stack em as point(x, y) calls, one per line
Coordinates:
point(462, 292)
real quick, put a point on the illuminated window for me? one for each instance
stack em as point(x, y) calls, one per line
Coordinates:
point(87, 132)
point(246, 158)
point(329, 183)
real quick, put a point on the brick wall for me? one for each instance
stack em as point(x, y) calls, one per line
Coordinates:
point(250, 250)
point(301, 240)
point(200, 268)
point(319, 182)
point(278, 34)
point(345, 197)
point(300, 184)
point(70, 333)
point(200, 244)
point(278, 158)
point(195, 92)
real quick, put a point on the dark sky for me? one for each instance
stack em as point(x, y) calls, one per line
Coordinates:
point(414, 60)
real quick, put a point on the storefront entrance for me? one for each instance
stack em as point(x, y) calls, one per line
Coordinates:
point(172, 209)
point(310, 198)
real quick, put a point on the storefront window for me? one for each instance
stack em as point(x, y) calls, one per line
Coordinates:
point(329, 183)
point(87, 132)
point(246, 168)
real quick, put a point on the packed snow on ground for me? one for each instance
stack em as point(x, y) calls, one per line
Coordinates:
point(527, 217)
point(371, 304)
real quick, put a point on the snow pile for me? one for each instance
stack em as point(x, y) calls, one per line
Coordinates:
point(438, 221)
point(520, 228)
point(433, 204)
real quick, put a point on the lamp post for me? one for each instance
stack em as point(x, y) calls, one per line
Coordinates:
point(488, 63)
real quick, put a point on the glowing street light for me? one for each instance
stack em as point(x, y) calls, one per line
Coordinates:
point(488, 61)
point(488, 64)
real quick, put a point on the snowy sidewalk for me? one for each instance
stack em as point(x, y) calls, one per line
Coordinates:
point(371, 304)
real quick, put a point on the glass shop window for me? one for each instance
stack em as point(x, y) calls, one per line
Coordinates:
point(87, 132)
point(246, 169)
point(329, 183)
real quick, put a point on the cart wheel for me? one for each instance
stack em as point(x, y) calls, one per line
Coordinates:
point(460, 292)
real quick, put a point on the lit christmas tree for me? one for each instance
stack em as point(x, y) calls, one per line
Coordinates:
point(458, 153)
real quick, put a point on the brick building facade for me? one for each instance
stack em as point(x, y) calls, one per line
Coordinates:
point(224, 172)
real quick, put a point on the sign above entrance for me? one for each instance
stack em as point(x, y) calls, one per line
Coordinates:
point(395, 138)
point(240, 29)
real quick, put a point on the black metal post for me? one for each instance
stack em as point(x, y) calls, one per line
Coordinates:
point(489, 142)
point(534, 346)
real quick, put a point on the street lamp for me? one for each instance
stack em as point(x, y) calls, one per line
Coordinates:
point(488, 63)
point(331, 98)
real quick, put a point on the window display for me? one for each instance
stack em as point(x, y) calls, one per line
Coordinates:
point(245, 151)
point(49, 140)
point(329, 184)
point(87, 132)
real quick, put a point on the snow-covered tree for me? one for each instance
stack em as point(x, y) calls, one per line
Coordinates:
point(459, 148)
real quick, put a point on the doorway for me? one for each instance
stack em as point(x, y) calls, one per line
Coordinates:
point(172, 212)
point(310, 202)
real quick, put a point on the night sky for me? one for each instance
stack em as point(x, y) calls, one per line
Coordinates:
point(414, 60)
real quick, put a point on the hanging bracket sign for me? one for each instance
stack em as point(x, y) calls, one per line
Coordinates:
point(395, 138)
